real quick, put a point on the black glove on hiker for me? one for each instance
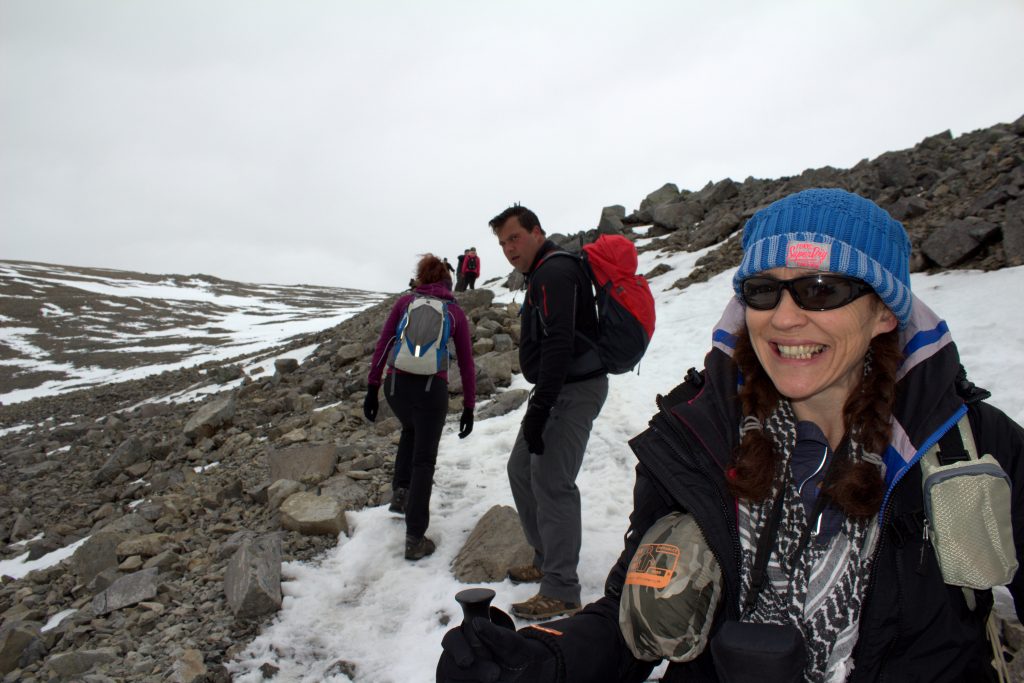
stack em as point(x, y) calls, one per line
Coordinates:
point(466, 423)
point(370, 402)
point(533, 427)
point(502, 656)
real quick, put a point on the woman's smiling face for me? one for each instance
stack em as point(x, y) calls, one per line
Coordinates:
point(816, 357)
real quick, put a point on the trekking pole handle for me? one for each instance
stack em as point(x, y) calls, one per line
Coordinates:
point(475, 602)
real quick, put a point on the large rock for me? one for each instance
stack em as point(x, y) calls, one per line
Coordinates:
point(497, 366)
point(146, 545)
point(127, 590)
point(128, 453)
point(99, 552)
point(503, 403)
point(16, 640)
point(252, 578)
point(666, 194)
point(313, 515)
point(474, 298)
point(611, 220)
point(682, 215)
point(211, 417)
point(189, 667)
point(351, 495)
point(75, 663)
point(309, 463)
point(957, 241)
point(280, 490)
point(495, 544)
point(1013, 241)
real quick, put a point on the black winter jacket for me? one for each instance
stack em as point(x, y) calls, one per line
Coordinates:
point(913, 627)
point(558, 317)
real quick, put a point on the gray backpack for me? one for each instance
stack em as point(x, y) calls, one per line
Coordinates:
point(421, 338)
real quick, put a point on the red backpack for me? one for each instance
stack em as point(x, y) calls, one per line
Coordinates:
point(625, 305)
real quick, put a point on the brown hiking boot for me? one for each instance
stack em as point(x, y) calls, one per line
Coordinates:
point(418, 548)
point(525, 573)
point(543, 607)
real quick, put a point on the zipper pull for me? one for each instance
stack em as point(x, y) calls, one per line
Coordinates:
point(927, 543)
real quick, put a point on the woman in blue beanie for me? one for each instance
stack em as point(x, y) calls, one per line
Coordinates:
point(824, 553)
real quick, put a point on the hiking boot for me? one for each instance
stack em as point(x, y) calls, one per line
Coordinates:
point(418, 548)
point(525, 573)
point(398, 497)
point(543, 607)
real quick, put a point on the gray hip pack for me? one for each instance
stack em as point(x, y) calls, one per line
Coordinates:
point(967, 511)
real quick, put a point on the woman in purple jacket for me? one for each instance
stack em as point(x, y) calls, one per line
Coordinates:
point(420, 402)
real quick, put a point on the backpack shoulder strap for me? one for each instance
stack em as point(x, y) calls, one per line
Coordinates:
point(957, 445)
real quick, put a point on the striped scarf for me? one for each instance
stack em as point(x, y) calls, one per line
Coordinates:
point(822, 591)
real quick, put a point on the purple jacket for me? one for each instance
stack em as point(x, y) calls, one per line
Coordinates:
point(459, 332)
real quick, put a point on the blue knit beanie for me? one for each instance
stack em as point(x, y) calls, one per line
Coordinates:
point(836, 232)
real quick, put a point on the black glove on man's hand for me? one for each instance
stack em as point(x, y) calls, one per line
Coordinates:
point(466, 423)
point(533, 427)
point(370, 402)
point(502, 655)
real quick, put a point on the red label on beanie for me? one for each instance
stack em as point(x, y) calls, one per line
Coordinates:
point(812, 255)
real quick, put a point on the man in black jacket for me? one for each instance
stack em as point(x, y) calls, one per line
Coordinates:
point(570, 387)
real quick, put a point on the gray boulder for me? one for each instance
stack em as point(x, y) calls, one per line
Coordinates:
point(128, 453)
point(252, 578)
point(666, 194)
point(957, 241)
point(127, 590)
point(313, 515)
point(611, 220)
point(67, 665)
point(503, 403)
point(211, 417)
point(682, 215)
point(285, 366)
point(309, 463)
point(16, 639)
point(99, 552)
point(495, 544)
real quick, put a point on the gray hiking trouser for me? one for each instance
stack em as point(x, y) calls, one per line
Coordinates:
point(544, 486)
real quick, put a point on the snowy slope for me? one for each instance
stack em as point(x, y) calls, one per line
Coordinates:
point(362, 603)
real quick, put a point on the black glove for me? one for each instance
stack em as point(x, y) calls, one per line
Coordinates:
point(370, 402)
point(533, 427)
point(502, 656)
point(466, 423)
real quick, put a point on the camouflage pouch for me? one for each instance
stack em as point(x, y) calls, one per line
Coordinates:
point(673, 586)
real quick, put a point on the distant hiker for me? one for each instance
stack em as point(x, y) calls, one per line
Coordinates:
point(414, 346)
point(812, 498)
point(570, 387)
point(460, 272)
point(470, 268)
point(448, 265)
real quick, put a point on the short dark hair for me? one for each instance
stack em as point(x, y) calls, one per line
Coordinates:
point(528, 219)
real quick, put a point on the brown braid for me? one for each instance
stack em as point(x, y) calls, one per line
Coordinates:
point(856, 487)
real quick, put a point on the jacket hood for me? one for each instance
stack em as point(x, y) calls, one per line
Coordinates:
point(441, 290)
point(926, 403)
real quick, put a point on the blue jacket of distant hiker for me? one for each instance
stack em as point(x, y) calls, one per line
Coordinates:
point(913, 627)
point(459, 333)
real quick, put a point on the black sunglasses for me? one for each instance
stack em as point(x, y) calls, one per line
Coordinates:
point(820, 292)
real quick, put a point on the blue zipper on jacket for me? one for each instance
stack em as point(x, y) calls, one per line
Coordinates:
point(928, 443)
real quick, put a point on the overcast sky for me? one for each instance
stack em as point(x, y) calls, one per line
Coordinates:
point(331, 142)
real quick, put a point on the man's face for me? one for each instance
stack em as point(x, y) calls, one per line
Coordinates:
point(519, 244)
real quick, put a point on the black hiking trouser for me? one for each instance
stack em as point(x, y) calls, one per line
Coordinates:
point(421, 409)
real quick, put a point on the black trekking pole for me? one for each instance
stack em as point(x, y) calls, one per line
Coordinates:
point(475, 602)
